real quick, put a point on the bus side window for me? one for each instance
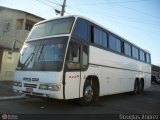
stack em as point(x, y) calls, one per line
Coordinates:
point(74, 56)
point(81, 29)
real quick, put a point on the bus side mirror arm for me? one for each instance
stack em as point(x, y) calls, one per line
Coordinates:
point(14, 44)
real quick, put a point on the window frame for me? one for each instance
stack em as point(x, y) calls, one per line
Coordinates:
point(135, 52)
point(116, 39)
point(142, 55)
point(129, 49)
point(149, 58)
point(77, 36)
point(81, 44)
point(102, 41)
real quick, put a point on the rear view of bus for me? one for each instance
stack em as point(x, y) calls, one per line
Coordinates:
point(39, 71)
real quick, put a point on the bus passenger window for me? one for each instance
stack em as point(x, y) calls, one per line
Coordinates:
point(74, 56)
point(114, 43)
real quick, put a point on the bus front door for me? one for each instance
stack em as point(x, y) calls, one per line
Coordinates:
point(72, 71)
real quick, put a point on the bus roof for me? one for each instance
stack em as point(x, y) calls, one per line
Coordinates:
point(78, 16)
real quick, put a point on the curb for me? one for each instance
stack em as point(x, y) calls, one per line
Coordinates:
point(13, 97)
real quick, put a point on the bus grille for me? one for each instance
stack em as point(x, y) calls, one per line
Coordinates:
point(31, 79)
point(30, 85)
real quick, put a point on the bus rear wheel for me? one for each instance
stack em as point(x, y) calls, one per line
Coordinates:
point(136, 87)
point(140, 86)
point(89, 93)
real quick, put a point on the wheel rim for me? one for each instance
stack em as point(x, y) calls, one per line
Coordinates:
point(88, 94)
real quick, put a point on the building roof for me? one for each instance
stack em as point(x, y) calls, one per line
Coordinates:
point(2, 7)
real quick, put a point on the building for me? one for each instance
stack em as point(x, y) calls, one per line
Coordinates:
point(14, 28)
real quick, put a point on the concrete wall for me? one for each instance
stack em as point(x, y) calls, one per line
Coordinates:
point(8, 64)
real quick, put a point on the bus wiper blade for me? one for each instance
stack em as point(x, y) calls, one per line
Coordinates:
point(40, 52)
point(28, 60)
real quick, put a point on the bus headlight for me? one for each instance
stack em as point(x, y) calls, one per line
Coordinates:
point(54, 87)
point(16, 83)
point(43, 86)
point(51, 87)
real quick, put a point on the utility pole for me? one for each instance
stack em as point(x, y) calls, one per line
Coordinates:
point(63, 8)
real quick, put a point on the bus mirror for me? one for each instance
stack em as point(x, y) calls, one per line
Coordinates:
point(15, 43)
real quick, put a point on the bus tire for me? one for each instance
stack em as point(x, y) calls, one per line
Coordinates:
point(136, 87)
point(141, 86)
point(89, 93)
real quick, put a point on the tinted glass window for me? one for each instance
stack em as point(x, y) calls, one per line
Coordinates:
point(148, 58)
point(81, 29)
point(105, 41)
point(53, 27)
point(73, 56)
point(43, 55)
point(135, 53)
point(114, 43)
point(99, 37)
point(127, 49)
point(142, 57)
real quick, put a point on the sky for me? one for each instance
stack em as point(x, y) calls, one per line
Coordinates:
point(138, 21)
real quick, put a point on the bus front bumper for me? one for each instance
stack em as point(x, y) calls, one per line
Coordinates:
point(38, 91)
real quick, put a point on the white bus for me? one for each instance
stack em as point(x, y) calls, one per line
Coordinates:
point(74, 58)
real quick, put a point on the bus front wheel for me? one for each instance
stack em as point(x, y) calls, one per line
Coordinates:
point(89, 93)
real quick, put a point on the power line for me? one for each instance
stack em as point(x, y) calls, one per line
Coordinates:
point(136, 27)
point(155, 23)
point(47, 4)
point(123, 2)
point(70, 7)
point(135, 21)
point(54, 3)
point(120, 4)
point(139, 11)
point(58, 4)
point(56, 9)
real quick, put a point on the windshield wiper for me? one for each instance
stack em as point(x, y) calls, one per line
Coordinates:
point(28, 60)
point(40, 52)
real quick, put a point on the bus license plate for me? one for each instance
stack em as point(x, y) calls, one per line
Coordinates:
point(30, 90)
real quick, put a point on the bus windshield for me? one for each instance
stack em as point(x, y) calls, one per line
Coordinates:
point(54, 27)
point(43, 55)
